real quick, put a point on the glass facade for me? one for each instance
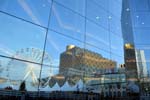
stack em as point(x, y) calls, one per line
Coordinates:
point(87, 44)
point(139, 11)
point(140, 14)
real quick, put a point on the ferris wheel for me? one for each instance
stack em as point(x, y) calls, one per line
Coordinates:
point(29, 71)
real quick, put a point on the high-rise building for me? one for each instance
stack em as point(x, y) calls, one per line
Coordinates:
point(130, 62)
point(129, 48)
point(141, 63)
point(134, 35)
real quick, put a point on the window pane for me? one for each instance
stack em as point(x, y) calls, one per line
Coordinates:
point(141, 35)
point(75, 5)
point(115, 8)
point(141, 19)
point(118, 59)
point(20, 39)
point(47, 75)
point(115, 26)
point(103, 4)
point(66, 22)
point(31, 10)
point(98, 51)
point(57, 44)
point(116, 45)
point(96, 14)
point(66, 58)
point(97, 36)
point(97, 59)
point(139, 5)
point(13, 72)
point(142, 53)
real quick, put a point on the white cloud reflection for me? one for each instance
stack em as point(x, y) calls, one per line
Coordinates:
point(28, 10)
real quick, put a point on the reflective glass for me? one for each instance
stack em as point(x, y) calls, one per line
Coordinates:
point(13, 72)
point(97, 36)
point(140, 5)
point(82, 48)
point(66, 58)
point(57, 44)
point(118, 60)
point(98, 51)
point(75, 5)
point(141, 19)
point(20, 39)
point(66, 22)
point(103, 4)
point(116, 45)
point(115, 8)
point(31, 10)
point(96, 14)
point(115, 26)
point(145, 48)
point(141, 35)
point(47, 73)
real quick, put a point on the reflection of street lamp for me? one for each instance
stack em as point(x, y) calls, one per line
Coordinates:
point(146, 89)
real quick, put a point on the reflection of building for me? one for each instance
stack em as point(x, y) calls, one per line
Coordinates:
point(84, 60)
point(127, 32)
point(113, 84)
point(141, 63)
point(130, 62)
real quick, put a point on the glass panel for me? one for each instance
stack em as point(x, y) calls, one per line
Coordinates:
point(97, 36)
point(116, 45)
point(98, 51)
point(20, 39)
point(76, 5)
point(96, 14)
point(118, 60)
point(142, 61)
point(141, 19)
point(13, 72)
point(115, 26)
point(66, 55)
point(96, 63)
point(31, 10)
point(141, 35)
point(57, 44)
point(139, 5)
point(115, 8)
point(66, 22)
point(98, 59)
point(47, 74)
point(119, 1)
point(103, 4)
point(142, 52)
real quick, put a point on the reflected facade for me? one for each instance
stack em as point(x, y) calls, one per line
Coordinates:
point(34, 37)
point(137, 23)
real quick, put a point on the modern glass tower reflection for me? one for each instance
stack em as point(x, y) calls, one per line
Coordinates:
point(129, 49)
point(141, 63)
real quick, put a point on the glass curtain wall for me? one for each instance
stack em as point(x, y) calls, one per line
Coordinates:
point(46, 42)
point(140, 18)
point(140, 13)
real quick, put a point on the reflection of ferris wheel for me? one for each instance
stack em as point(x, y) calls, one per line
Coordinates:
point(19, 70)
